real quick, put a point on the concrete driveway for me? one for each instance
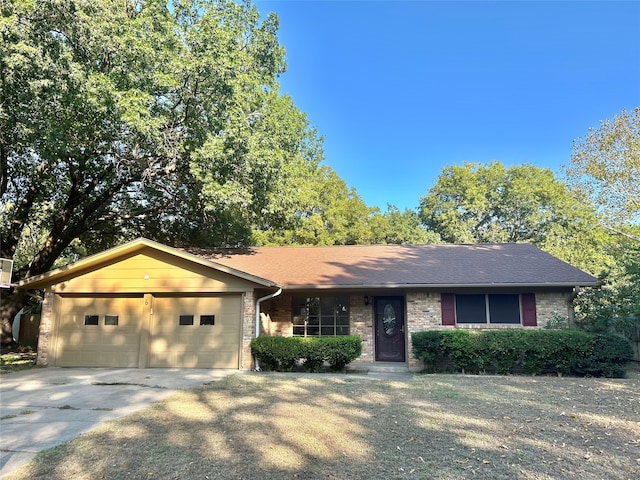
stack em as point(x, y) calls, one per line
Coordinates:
point(44, 407)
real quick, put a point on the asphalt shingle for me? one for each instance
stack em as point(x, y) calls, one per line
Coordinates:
point(396, 265)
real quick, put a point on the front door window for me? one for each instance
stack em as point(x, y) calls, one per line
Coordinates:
point(389, 329)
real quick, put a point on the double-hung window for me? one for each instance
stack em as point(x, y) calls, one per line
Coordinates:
point(320, 316)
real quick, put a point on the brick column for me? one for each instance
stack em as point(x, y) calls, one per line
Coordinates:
point(44, 335)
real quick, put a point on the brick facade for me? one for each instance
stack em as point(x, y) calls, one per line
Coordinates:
point(422, 313)
point(248, 330)
point(45, 335)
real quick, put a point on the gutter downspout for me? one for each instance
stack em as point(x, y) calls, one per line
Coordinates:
point(258, 302)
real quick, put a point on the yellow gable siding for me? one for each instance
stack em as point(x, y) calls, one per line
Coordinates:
point(153, 271)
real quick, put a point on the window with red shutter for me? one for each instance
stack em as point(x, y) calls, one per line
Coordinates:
point(447, 303)
point(529, 317)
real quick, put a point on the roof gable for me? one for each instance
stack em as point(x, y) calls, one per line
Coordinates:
point(128, 250)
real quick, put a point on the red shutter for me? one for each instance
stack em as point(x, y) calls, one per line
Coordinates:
point(447, 304)
point(529, 318)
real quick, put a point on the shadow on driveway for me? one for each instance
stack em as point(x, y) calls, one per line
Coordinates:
point(44, 407)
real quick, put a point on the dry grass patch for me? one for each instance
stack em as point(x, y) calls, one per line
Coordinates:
point(274, 426)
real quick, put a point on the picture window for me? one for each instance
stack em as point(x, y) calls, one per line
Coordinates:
point(320, 316)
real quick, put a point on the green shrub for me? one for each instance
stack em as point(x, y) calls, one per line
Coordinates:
point(500, 349)
point(461, 346)
point(277, 353)
point(340, 351)
point(553, 351)
point(286, 353)
point(608, 357)
point(426, 347)
point(529, 351)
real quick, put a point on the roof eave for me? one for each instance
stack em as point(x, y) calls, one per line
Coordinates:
point(51, 277)
point(439, 286)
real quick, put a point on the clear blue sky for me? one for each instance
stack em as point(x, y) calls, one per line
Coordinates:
point(401, 89)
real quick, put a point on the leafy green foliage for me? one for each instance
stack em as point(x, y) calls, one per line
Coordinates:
point(122, 118)
point(277, 353)
point(325, 211)
point(607, 358)
point(285, 353)
point(606, 166)
point(529, 351)
point(614, 308)
point(477, 203)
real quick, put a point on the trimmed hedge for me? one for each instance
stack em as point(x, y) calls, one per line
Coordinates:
point(286, 353)
point(533, 352)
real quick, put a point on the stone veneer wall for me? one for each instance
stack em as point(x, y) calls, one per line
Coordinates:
point(44, 336)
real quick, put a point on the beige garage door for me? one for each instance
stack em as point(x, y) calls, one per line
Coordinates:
point(196, 332)
point(99, 331)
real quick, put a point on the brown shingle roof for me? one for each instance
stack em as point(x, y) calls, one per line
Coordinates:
point(402, 265)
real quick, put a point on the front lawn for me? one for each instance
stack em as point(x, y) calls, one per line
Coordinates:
point(284, 426)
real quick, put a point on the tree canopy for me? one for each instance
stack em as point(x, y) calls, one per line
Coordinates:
point(328, 212)
point(606, 166)
point(122, 118)
point(476, 203)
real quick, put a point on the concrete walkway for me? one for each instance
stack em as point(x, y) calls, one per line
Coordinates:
point(44, 407)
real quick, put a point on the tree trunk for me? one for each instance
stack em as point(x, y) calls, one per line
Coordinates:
point(13, 300)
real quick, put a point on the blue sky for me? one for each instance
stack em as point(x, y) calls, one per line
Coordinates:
point(402, 89)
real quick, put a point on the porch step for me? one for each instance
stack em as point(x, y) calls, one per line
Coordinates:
point(379, 367)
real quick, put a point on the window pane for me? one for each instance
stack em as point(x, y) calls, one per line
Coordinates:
point(471, 309)
point(328, 320)
point(342, 330)
point(326, 305)
point(111, 319)
point(342, 306)
point(328, 331)
point(91, 319)
point(313, 304)
point(504, 309)
point(326, 315)
point(207, 319)
point(186, 319)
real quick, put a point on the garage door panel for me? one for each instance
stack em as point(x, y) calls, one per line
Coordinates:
point(99, 345)
point(196, 346)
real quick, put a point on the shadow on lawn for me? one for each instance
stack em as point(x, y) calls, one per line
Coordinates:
point(446, 427)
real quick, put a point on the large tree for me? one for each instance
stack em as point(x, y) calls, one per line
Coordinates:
point(122, 118)
point(476, 203)
point(606, 166)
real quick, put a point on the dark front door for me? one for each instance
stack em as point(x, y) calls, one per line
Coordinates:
point(389, 329)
